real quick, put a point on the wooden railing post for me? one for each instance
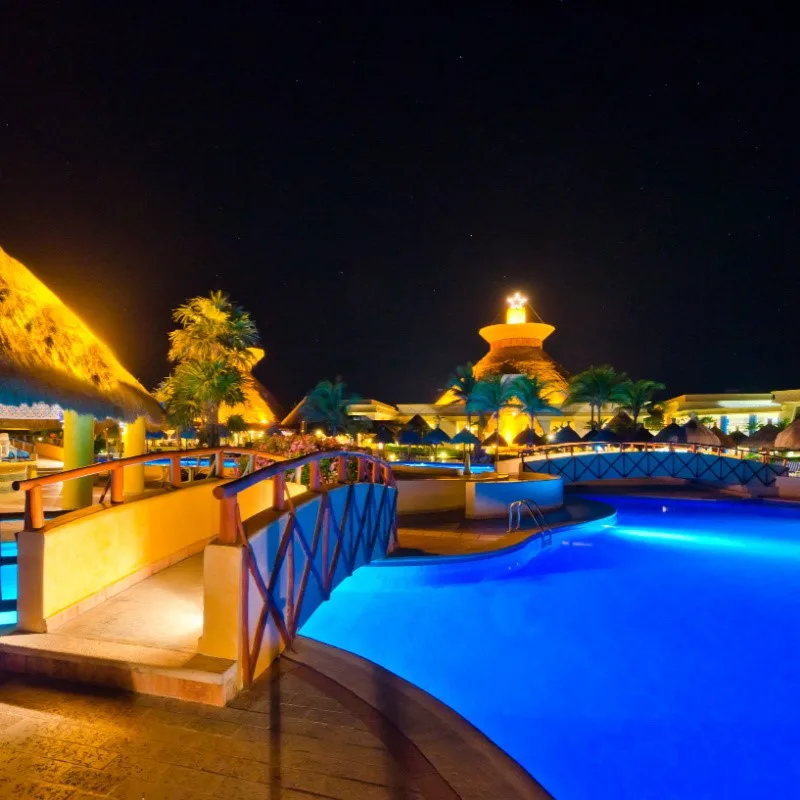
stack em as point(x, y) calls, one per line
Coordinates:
point(227, 519)
point(175, 470)
point(34, 509)
point(279, 488)
point(342, 466)
point(117, 485)
point(314, 478)
point(251, 463)
point(219, 463)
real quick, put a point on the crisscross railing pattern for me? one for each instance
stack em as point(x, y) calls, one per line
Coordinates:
point(575, 463)
point(316, 542)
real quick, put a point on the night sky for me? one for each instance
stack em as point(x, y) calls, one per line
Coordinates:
point(371, 185)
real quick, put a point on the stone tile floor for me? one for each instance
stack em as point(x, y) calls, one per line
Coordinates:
point(289, 738)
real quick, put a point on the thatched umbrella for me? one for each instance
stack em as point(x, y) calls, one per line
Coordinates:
point(465, 437)
point(739, 437)
point(789, 437)
point(409, 437)
point(528, 437)
point(494, 440)
point(435, 437)
point(383, 435)
point(48, 355)
point(763, 438)
point(697, 433)
point(671, 433)
point(693, 432)
point(417, 423)
point(590, 435)
point(641, 434)
point(724, 439)
point(566, 435)
point(606, 435)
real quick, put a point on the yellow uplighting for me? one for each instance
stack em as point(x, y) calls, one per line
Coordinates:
point(517, 313)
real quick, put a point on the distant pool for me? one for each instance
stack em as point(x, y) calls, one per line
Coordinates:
point(185, 462)
point(655, 659)
point(447, 464)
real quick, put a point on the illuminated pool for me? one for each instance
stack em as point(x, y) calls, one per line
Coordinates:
point(476, 468)
point(655, 659)
point(8, 582)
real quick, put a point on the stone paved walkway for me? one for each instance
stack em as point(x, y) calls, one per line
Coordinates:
point(290, 738)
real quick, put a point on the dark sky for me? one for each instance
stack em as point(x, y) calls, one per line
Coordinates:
point(371, 185)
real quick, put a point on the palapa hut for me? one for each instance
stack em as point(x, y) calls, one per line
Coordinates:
point(789, 437)
point(566, 435)
point(260, 409)
point(739, 437)
point(724, 439)
point(763, 438)
point(527, 437)
point(693, 432)
point(50, 359)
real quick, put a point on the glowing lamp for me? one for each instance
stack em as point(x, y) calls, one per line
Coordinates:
point(516, 313)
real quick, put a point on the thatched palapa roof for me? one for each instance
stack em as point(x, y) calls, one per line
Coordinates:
point(789, 437)
point(49, 355)
point(763, 438)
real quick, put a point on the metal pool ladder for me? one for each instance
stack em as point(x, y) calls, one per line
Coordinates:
point(537, 515)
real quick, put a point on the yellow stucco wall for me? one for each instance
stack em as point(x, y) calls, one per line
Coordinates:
point(46, 450)
point(81, 554)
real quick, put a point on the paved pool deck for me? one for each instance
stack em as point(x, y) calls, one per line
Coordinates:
point(320, 724)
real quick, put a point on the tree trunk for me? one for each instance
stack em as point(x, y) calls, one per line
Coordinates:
point(496, 441)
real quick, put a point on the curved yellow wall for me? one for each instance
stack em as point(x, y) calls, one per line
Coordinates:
point(81, 558)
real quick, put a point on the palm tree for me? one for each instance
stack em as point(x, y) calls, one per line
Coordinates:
point(533, 395)
point(597, 386)
point(198, 389)
point(462, 384)
point(213, 328)
point(326, 404)
point(636, 396)
point(490, 396)
point(236, 425)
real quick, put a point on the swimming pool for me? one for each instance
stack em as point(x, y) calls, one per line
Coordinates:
point(654, 659)
point(476, 468)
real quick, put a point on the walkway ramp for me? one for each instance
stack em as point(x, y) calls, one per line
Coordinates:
point(144, 639)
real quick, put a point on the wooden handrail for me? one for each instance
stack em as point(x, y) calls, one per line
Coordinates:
point(102, 467)
point(230, 523)
point(233, 487)
point(34, 499)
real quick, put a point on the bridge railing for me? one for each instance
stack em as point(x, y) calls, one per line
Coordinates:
point(294, 557)
point(588, 461)
point(115, 469)
point(589, 447)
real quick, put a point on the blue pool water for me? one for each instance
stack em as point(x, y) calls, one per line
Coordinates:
point(659, 658)
point(476, 468)
point(185, 462)
point(8, 581)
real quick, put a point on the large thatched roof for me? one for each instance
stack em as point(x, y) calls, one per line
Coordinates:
point(523, 360)
point(48, 355)
point(260, 406)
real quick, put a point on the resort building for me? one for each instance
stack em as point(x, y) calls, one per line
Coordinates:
point(516, 347)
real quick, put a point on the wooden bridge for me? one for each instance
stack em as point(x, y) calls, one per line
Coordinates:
point(213, 576)
point(578, 463)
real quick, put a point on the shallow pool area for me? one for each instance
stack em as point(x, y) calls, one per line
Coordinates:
point(656, 658)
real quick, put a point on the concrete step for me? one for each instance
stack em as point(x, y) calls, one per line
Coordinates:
point(136, 668)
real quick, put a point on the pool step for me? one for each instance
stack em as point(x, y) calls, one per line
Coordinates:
point(136, 668)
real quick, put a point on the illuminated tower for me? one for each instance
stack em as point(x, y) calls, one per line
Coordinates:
point(515, 348)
